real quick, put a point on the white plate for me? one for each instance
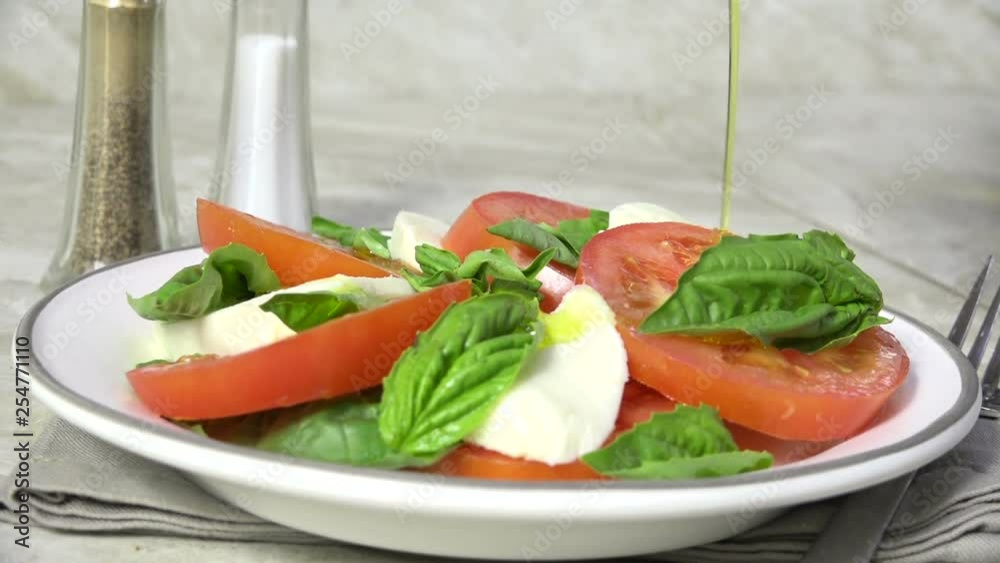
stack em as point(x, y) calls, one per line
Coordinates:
point(83, 339)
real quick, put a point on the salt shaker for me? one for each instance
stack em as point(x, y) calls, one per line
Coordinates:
point(120, 198)
point(264, 163)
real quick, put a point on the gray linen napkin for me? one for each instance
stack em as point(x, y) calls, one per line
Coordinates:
point(79, 483)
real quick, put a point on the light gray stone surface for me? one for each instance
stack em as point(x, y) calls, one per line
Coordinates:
point(885, 98)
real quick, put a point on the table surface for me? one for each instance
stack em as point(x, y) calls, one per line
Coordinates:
point(835, 170)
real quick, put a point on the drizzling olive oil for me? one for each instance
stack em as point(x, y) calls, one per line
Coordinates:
point(734, 79)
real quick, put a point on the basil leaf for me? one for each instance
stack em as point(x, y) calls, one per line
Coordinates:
point(231, 274)
point(344, 234)
point(366, 239)
point(373, 241)
point(433, 260)
point(566, 239)
point(195, 427)
point(539, 238)
point(345, 431)
point(789, 292)
point(829, 243)
point(445, 385)
point(490, 270)
point(578, 232)
point(152, 363)
point(540, 261)
point(302, 311)
point(685, 443)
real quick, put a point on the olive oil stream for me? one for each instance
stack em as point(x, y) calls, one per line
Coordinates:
point(734, 79)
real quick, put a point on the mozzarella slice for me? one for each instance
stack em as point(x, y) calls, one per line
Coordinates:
point(411, 230)
point(245, 326)
point(566, 400)
point(639, 212)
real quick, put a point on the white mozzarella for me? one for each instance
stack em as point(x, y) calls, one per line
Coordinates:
point(566, 400)
point(411, 230)
point(245, 326)
point(639, 212)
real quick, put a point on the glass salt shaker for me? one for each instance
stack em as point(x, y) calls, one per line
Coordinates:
point(120, 197)
point(264, 164)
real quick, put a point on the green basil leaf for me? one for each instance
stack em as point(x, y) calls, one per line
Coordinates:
point(344, 234)
point(152, 363)
point(433, 260)
point(422, 282)
point(540, 261)
point(829, 243)
point(539, 238)
point(490, 270)
point(231, 274)
point(578, 232)
point(445, 385)
point(196, 427)
point(685, 443)
point(345, 431)
point(373, 241)
point(366, 239)
point(302, 311)
point(789, 292)
point(494, 263)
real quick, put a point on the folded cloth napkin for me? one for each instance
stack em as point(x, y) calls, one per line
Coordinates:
point(78, 483)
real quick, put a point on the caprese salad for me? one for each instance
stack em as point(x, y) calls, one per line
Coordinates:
point(530, 339)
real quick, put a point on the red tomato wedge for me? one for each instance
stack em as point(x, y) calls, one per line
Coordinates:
point(296, 257)
point(336, 358)
point(783, 393)
point(638, 404)
point(469, 233)
point(473, 461)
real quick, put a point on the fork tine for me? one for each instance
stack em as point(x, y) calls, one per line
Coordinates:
point(983, 338)
point(991, 375)
point(964, 319)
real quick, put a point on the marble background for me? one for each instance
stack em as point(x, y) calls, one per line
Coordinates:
point(571, 47)
point(894, 75)
point(903, 91)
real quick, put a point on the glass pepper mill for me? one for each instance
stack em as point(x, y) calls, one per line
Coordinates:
point(120, 198)
point(264, 163)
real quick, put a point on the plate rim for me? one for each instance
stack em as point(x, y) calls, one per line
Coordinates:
point(966, 401)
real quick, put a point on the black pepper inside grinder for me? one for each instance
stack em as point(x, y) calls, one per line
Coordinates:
point(120, 198)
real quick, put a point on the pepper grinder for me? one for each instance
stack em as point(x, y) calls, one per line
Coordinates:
point(264, 163)
point(120, 197)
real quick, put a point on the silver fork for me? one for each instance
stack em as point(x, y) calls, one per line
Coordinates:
point(857, 527)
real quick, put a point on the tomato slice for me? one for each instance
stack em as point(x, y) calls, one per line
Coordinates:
point(473, 461)
point(638, 404)
point(783, 393)
point(296, 257)
point(336, 358)
point(469, 233)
